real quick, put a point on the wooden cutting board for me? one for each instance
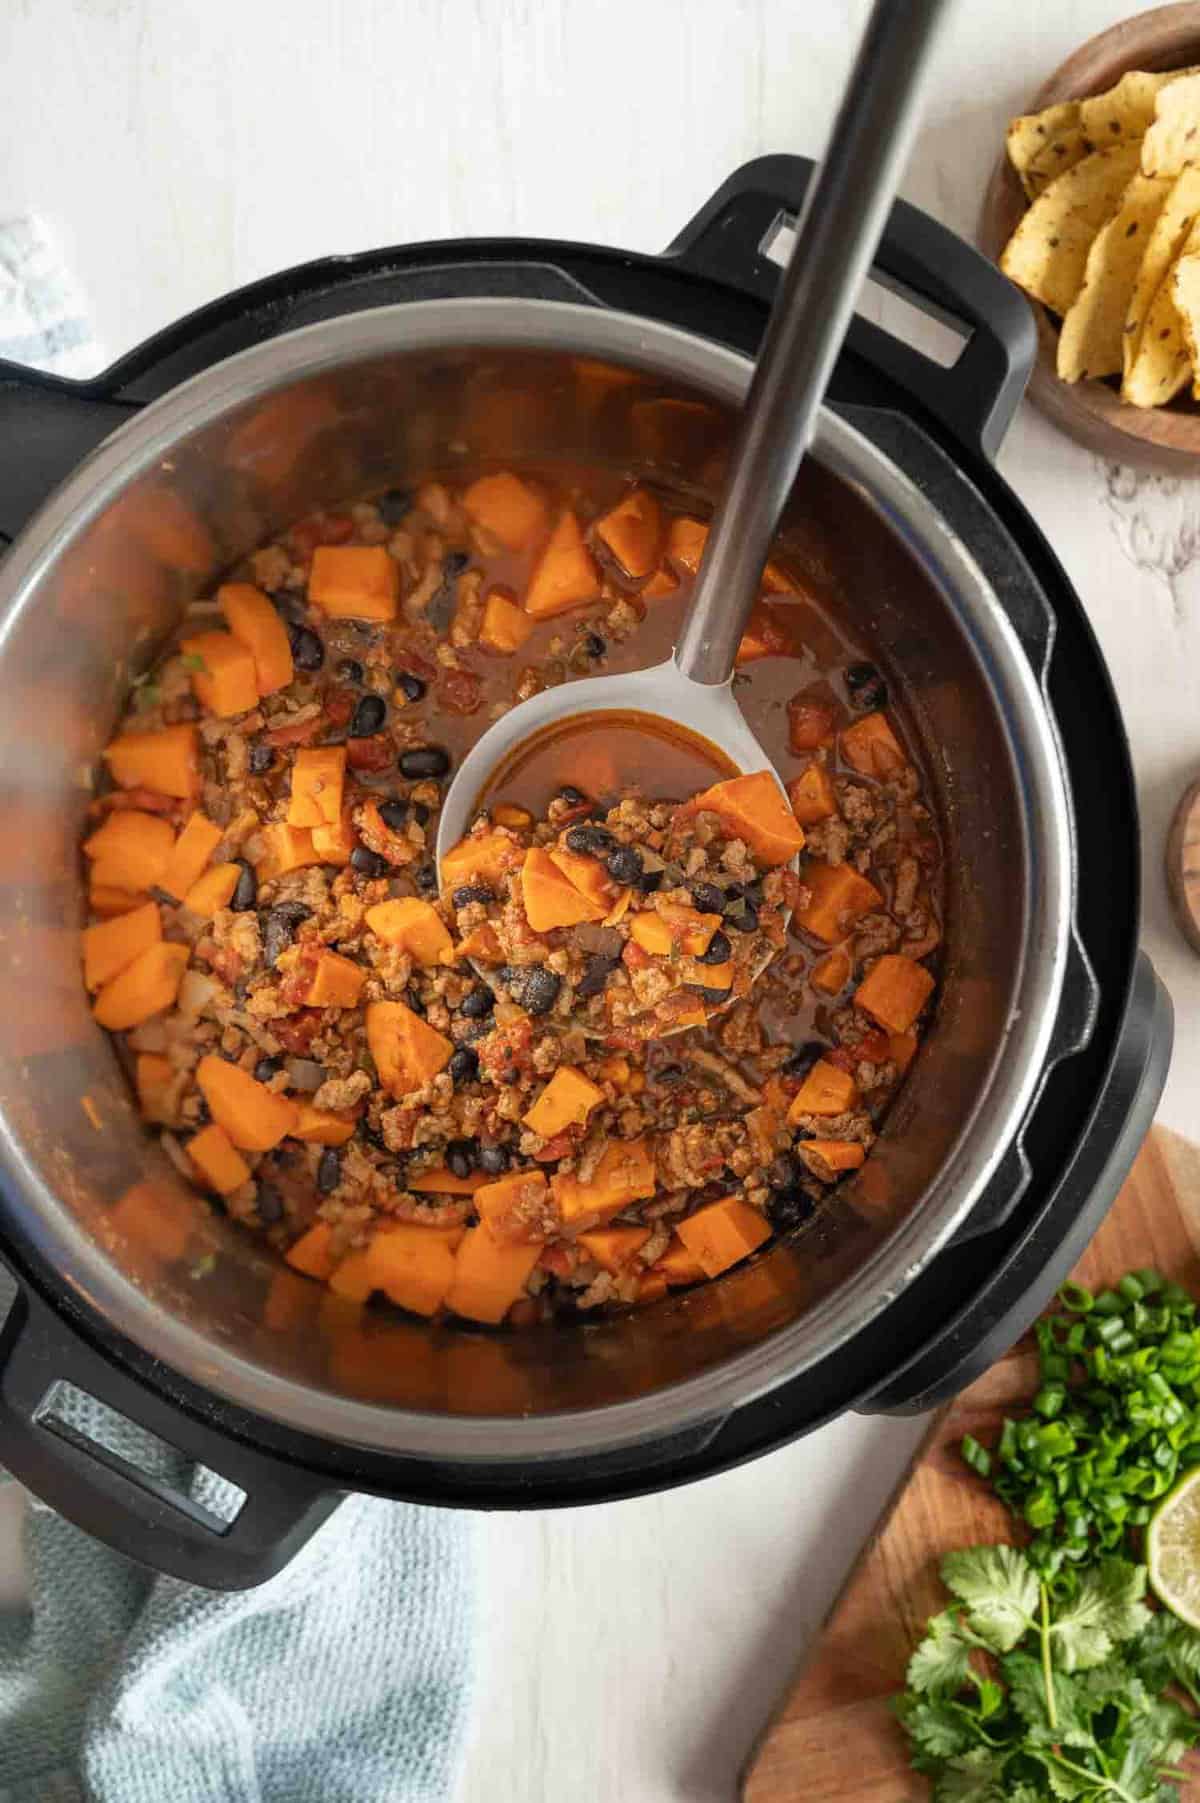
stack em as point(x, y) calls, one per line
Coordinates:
point(834, 1735)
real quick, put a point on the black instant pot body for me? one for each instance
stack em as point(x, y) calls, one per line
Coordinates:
point(1105, 1069)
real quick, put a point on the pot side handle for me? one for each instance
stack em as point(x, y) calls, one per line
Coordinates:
point(47, 424)
point(976, 397)
point(103, 1492)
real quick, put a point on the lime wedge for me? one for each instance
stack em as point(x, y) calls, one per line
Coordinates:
point(1173, 1549)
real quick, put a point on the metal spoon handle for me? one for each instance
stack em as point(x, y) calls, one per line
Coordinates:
point(836, 238)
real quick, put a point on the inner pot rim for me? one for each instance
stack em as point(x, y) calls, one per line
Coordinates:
point(33, 1210)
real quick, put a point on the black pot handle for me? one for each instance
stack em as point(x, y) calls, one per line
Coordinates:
point(139, 1515)
point(943, 275)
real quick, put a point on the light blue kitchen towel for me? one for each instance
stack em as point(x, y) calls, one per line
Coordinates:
point(345, 1679)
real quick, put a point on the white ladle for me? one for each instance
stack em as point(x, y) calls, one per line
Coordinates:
point(836, 238)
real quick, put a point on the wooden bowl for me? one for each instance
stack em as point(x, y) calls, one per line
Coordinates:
point(1166, 439)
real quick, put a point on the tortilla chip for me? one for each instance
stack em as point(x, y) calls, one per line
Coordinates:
point(1092, 336)
point(1126, 111)
point(1185, 292)
point(1162, 365)
point(1173, 141)
point(1171, 228)
point(1043, 145)
point(1047, 254)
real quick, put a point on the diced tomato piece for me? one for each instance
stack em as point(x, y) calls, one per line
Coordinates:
point(634, 958)
point(555, 1148)
point(376, 753)
point(461, 691)
point(813, 716)
point(405, 658)
point(339, 705)
point(297, 1031)
point(299, 734)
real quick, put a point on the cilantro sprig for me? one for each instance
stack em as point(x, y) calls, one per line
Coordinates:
point(1028, 1689)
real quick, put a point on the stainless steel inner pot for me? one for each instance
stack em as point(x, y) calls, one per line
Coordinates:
point(87, 595)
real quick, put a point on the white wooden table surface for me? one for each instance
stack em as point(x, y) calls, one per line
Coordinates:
point(182, 147)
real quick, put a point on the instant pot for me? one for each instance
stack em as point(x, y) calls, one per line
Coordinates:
point(124, 497)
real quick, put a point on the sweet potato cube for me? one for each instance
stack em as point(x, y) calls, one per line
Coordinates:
point(107, 900)
point(352, 1279)
point(218, 1160)
point(550, 899)
point(895, 991)
point(311, 1253)
point(514, 1207)
point(813, 714)
point(167, 760)
point(489, 1275)
point(624, 1174)
point(439, 1181)
point(285, 848)
point(686, 540)
point(663, 582)
point(619, 909)
point(754, 808)
point(507, 508)
point(830, 974)
point(333, 844)
point(652, 1287)
point(318, 778)
point(255, 1118)
point(336, 981)
point(829, 1159)
point(612, 1248)
point(481, 946)
point(902, 1049)
point(776, 581)
point(872, 748)
point(768, 634)
point(714, 976)
point(632, 530)
point(213, 891)
point(651, 932)
point(723, 1234)
point(414, 1266)
point(504, 627)
point(153, 1077)
point(838, 897)
point(678, 1264)
point(812, 795)
point(256, 625)
point(565, 575)
point(354, 582)
point(223, 675)
point(131, 850)
point(320, 1127)
point(414, 925)
point(480, 858)
point(190, 854)
point(660, 931)
point(827, 1089)
point(587, 874)
point(143, 989)
point(566, 1101)
point(408, 1053)
point(110, 946)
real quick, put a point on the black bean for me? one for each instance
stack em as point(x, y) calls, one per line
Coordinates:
point(571, 795)
point(369, 717)
point(596, 973)
point(245, 893)
point(742, 916)
point(329, 1170)
point(290, 607)
point(266, 1068)
point(368, 862)
point(784, 1172)
point(350, 670)
point(471, 892)
point(708, 897)
point(308, 653)
point(669, 1073)
point(492, 1159)
point(649, 881)
point(464, 1065)
point(393, 504)
point(625, 864)
point(425, 876)
point(279, 927)
point(420, 813)
point(394, 814)
point(410, 686)
point(477, 1003)
point(595, 841)
point(539, 992)
point(460, 1157)
point(424, 761)
point(788, 1209)
point(594, 645)
point(718, 950)
point(511, 975)
point(413, 1000)
point(372, 1135)
point(269, 1204)
point(801, 1061)
point(712, 996)
point(260, 759)
point(454, 563)
point(867, 688)
point(203, 1111)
